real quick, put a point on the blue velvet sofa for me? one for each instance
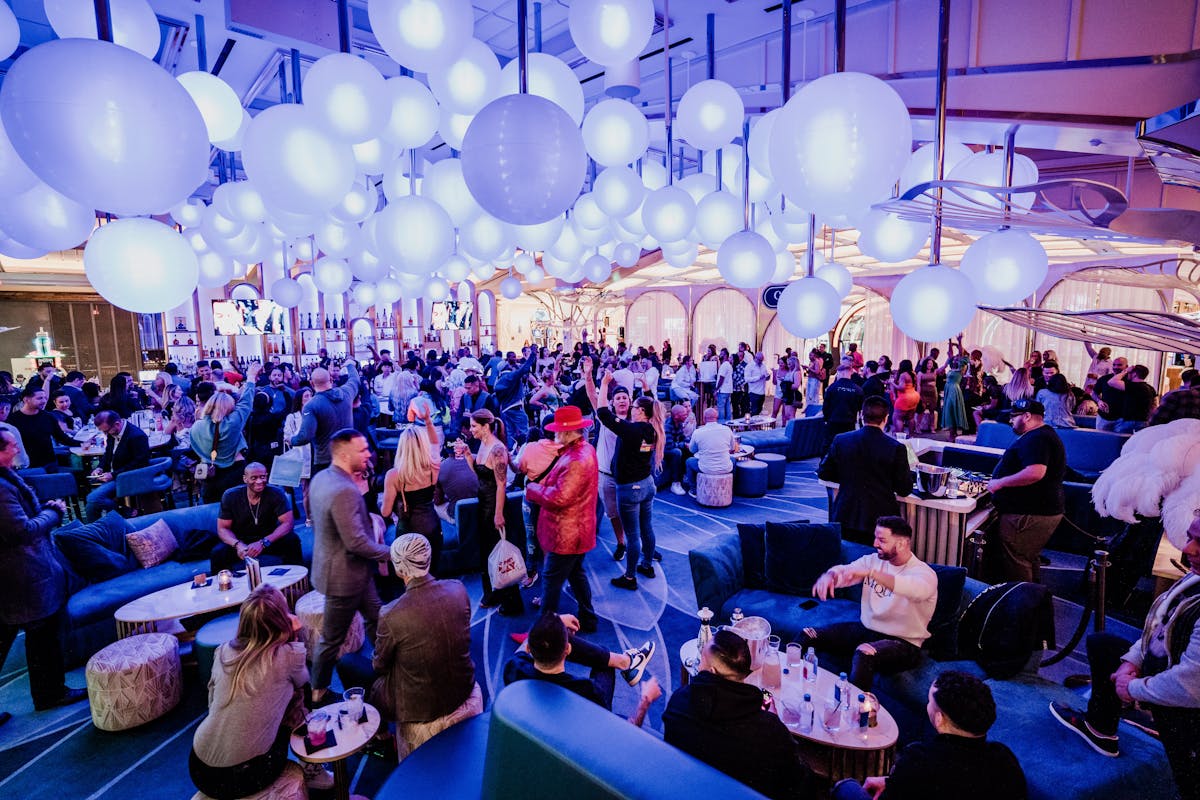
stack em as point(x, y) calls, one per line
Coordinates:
point(542, 742)
point(802, 437)
point(1089, 452)
point(1057, 764)
point(460, 541)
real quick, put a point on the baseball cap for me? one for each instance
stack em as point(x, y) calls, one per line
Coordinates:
point(1027, 406)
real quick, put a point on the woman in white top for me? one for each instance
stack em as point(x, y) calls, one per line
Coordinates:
point(707, 380)
point(683, 383)
point(291, 427)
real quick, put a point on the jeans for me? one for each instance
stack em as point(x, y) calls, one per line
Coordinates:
point(724, 406)
point(843, 638)
point(516, 425)
point(849, 789)
point(634, 502)
point(672, 471)
point(1109, 425)
point(686, 396)
point(563, 568)
point(607, 504)
point(43, 656)
point(756, 403)
point(102, 498)
point(249, 777)
point(284, 550)
point(1129, 426)
point(339, 613)
point(692, 469)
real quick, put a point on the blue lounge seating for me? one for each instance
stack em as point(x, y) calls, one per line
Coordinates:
point(1089, 452)
point(801, 438)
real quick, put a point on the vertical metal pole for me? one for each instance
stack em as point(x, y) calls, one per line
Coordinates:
point(201, 44)
point(343, 12)
point(939, 129)
point(667, 111)
point(745, 174)
point(283, 92)
point(839, 34)
point(786, 76)
point(104, 31)
point(412, 171)
point(812, 244)
point(297, 97)
point(537, 27)
point(711, 58)
point(523, 45)
point(1010, 142)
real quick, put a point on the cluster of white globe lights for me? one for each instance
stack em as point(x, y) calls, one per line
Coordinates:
point(92, 125)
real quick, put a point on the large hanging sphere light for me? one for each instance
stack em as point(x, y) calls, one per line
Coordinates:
point(484, 237)
point(13, 249)
point(234, 143)
point(837, 276)
point(413, 113)
point(165, 266)
point(189, 213)
point(887, 238)
point(710, 115)
point(295, 163)
point(423, 35)
point(453, 127)
point(567, 246)
point(1005, 267)
point(104, 126)
point(669, 214)
point(934, 303)
point(790, 224)
point(485, 271)
point(245, 202)
point(331, 275)
point(397, 180)
point(455, 268)
point(367, 268)
point(444, 185)
point(374, 156)
point(922, 164)
point(611, 32)
point(718, 216)
point(10, 32)
point(627, 254)
point(592, 237)
point(523, 159)
point(523, 263)
point(654, 174)
point(809, 307)
point(218, 103)
point(348, 95)
point(388, 290)
point(287, 292)
point(540, 236)
point(365, 294)
point(597, 268)
point(510, 288)
point(760, 142)
point(358, 204)
point(415, 235)
point(15, 176)
point(615, 133)
point(684, 255)
point(840, 143)
point(134, 23)
point(785, 267)
point(215, 270)
point(618, 191)
point(586, 212)
point(338, 239)
point(988, 169)
point(547, 77)
point(746, 260)
point(436, 289)
point(470, 82)
point(42, 218)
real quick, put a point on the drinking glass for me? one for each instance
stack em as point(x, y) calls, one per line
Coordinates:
point(795, 656)
point(789, 711)
point(773, 642)
point(831, 719)
point(354, 702)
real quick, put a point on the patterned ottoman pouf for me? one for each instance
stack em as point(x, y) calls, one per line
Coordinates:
point(311, 610)
point(134, 680)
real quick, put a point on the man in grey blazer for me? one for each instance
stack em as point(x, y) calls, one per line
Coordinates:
point(344, 551)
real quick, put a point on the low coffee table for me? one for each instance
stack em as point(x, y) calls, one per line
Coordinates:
point(351, 737)
point(177, 602)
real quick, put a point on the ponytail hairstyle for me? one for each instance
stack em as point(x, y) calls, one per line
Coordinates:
point(491, 422)
point(654, 415)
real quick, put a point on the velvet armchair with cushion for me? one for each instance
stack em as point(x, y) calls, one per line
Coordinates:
point(800, 438)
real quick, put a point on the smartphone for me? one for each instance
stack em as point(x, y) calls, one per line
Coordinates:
point(809, 604)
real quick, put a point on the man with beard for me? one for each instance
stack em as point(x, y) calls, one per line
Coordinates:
point(898, 598)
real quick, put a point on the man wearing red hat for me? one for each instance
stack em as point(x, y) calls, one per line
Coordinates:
point(566, 527)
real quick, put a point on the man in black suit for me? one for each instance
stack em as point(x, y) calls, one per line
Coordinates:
point(871, 468)
point(128, 448)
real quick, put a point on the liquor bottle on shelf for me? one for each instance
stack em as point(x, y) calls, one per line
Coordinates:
point(310, 320)
point(326, 321)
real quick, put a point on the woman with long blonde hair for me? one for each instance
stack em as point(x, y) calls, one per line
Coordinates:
point(254, 698)
point(408, 490)
point(217, 437)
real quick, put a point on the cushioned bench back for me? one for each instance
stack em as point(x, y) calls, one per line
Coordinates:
point(1090, 452)
point(995, 434)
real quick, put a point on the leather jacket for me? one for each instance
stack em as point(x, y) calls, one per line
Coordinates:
point(567, 497)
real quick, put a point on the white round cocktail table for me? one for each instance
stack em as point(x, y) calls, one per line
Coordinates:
point(351, 737)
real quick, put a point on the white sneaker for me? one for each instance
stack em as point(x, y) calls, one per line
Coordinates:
point(677, 488)
point(317, 777)
point(443, 511)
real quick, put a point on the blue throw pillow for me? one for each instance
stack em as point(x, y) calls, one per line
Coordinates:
point(97, 551)
point(944, 624)
point(797, 554)
point(754, 552)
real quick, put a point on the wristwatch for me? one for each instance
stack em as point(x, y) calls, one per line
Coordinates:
point(266, 543)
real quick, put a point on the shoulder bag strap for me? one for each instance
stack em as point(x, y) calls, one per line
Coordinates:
point(546, 471)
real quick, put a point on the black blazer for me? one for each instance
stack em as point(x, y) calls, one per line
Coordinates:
point(32, 583)
point(132, 453)
point(871, 468)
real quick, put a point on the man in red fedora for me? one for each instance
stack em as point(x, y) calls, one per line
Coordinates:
point(566, 526)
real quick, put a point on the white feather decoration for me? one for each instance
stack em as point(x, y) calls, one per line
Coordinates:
point(1180, 508)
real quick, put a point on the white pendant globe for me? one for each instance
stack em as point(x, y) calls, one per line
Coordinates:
point(287, 292)
point(365, 266)
point(718, 216)
point(423, 35)
point(618, 191)
point(388, 290)
point(245, 203)
point(436, 290)
point(760, 142)
point(746, 260)
point(988, 169)
point(218, 103)
point(339, 240)
point(765, 229)
point(922, 164)
point(234, 143)
point(669, 214)
point(365, 295)
point(455, 269)
point(215, 270)
point(484, 237)
point(165, 266)
point(484, 271)
point(444, 185)
point(374, 156)
point(134, 23)
point(785, 267)
point(611, 32)
point(556, 267)
point(511, 288)
point(348, 95)
point(306, 250)
point(358, 204)
point(1005, 267)
point(597, 269)
point(550, 78)
point(331, 276)
point(523, 263)
point(469, 82)
point(837, 276)
point(189, 213)
point(586, 212)
point(592, 237)
point(615, 133)
point(294, 161)
point(13, 249)
point(698, 185)
point(654, 174)
point(413, 113)
point(710, 115)
point(104, 126)
point(43, 219)
point(540, 236)
point(683, 256)
point(840, 143)
point(523, 159)
point(567, 246)
point(453, 127)
point(791, 224)
point(10, 33)
point(809, 307)
point(396, 178)
point(536, 275)
point(415, 235)
point(627, 254)
point(934, 303)
point(887, 238)
point(15, 176)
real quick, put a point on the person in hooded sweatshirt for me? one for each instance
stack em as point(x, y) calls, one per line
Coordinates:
point(719, 719)
point(330, 410)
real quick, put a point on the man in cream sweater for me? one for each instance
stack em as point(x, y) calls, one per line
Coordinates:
point(899, 594)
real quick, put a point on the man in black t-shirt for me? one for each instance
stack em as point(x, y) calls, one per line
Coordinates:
point(255, 521)
point(843, 401)
point(1027, 488)
point(1111, 401)
point(1139, 398)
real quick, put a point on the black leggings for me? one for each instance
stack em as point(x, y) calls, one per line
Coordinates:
point(843, 638)
point(240, 780)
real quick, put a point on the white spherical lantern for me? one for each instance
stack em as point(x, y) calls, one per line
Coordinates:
point(790, 224)
point(592, 238)
point(104, 126)
point(358, 204)
point(455, 269)
point(615, 133)
point(567, 246)
point(453, 127)
point(540, 236)
point(470, 82)
point(436, 290)
point(484, 238)
point(746, 260)
point(840, 143)
point(397, 180)
point(134, 23)
point(710, 115)
point(684, 255)
point(164, 265)
point(367, 268)
point(669, 214)
point(413, 113)
point(415, 235)
point(1005, 267)
point(556, 267)
point(331, 275)
point(295, 163)
point(934, 303)
point(388, 290)
point(511, 288)
point(189, 213)
point(536, 275)
point(423, 35)
point(287, 292)
point(785, 267)
point(550, 78)
point(13, 249)
point(445, 186)
point(618, 191)
point(587, 214)
point(306, 250)
point(246, 203)
point(413, 285)
point(837, 276)
point(611, 32)
point(523, 159)
point(597, 268)
point(15, 176)
point(627, 254)
point(42, 218)
point(234, 143)
point(484, 271)
point(922, 164)
point(337, 239)
point(808, 308)
point(218, 103)
point(10, 32)
point(365, 294)
point(523, 263)
point(760, 142)
point(374, 156)
point(215, 270)
point(348, 96)
point(887, 238)
point(698, 185)
point(718, 216)
point(988, 169)
point(765, 229)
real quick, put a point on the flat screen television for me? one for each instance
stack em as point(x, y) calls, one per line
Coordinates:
point(452, 315)
point(234, 317)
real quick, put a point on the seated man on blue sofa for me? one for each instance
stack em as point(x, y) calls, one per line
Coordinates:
point(127, 448)
point(713, 444)
point(898, 600)
point(255, 521)
point(959, 761)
